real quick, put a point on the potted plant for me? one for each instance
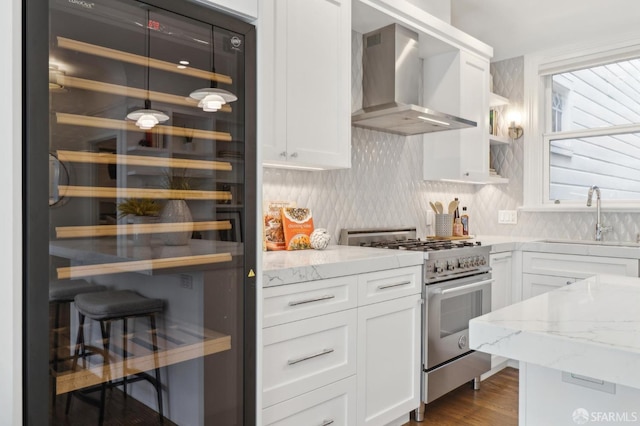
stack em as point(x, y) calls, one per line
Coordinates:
point(141, 210)
point(176, 209)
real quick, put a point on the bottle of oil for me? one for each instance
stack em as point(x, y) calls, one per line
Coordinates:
point(465, 221)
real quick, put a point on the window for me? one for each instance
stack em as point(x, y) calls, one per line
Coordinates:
point(592, 137)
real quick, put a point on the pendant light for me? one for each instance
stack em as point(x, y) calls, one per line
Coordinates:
point(211, 99)
point(147, 118)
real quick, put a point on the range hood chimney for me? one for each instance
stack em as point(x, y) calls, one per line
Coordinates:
point(390, 87)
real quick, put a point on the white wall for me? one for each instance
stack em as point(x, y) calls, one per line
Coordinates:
point(11, 216)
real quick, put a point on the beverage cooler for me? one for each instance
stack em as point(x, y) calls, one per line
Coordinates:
point(140, 215)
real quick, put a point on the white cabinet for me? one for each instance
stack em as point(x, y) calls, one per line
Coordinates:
point(334, 404)
point(304, 83)
point(388, 359)
point(247, 9)
point(534, 284)
point(501, 266)
point(304, 355)
point(457, 83)
point(543, 271)
point(501, 294)
point(322, 333)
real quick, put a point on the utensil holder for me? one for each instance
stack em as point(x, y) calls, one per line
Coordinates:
point(444, 225)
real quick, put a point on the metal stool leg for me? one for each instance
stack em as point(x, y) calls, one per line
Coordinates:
point(105, 328)
point(158, 384)
point(124, 356)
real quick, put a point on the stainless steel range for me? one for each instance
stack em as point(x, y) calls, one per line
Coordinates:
point(457, 279)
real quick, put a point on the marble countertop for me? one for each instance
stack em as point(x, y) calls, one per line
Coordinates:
point(287, 267)
point(591, 327)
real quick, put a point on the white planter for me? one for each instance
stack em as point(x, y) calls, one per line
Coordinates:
point(176, 211)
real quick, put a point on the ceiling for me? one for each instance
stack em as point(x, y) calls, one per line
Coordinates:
point(517, 27)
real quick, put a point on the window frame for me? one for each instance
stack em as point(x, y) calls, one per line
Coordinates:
point(538, 69)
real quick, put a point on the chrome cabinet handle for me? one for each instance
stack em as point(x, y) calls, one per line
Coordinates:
point(327, 422)
point(382, 287)
point(294, 155)
point(307, 357)
point(569, 282)
point(283, 154)
point(302, 302)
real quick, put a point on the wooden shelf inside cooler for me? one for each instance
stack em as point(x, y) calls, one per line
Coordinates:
point(176, 343)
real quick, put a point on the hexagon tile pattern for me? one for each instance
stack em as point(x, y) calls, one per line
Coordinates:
point(384, 186)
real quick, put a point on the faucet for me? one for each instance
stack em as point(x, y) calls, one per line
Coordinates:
point(599, 228)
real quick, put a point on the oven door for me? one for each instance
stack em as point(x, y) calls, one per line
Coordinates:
point(451, 305)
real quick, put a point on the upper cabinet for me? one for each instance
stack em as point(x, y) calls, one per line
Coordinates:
point(458, 83)
point(244, 9)
point(304, 83)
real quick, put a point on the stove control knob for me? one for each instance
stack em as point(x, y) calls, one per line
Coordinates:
point(475, 261)
point(461, 262)
point(451, 265)
point(438, 267)
point(483, 261)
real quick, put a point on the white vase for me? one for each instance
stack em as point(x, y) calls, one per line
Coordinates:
point(175, 211)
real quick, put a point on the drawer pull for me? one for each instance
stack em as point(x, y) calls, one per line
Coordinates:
point(302, 302)
point(382, 287)
point(304, 358)
point(327, 423)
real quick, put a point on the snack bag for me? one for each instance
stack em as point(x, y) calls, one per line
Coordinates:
point(297, 225)
point(273, 231)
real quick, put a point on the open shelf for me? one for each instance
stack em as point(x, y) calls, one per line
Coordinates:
point(499, 140)
point(497, 100)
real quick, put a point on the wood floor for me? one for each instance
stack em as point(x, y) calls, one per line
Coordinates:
point(495, 404)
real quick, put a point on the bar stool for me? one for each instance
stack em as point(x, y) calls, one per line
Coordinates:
point(63, 293)
point(106, 307)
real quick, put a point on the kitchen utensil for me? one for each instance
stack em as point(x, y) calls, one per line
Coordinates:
point(439, 207)
point(453, 206)
point(433, 206)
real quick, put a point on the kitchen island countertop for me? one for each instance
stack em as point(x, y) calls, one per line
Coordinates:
point(590, 328)
point(288, 267)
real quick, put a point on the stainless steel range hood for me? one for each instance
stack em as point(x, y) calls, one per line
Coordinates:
point(390, 87)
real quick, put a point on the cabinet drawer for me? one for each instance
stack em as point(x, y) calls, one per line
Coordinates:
point(533, 284)
point(568, 265)
point(334, 405)
point(304, 355)
point(379, 286)
point(293, 302)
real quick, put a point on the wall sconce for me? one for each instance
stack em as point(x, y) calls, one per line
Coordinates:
point(515, 127)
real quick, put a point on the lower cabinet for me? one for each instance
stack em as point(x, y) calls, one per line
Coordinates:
point(544, 271)
point(304, 355)
point(334, 404)
point(388, 359)
point(334, 355)
point(534, 284)
point(501, 272)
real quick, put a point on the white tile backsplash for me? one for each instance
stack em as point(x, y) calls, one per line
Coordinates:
point(384, 186)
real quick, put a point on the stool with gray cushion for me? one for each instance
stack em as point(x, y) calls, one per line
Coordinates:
point(114, 305)
point(63, 293)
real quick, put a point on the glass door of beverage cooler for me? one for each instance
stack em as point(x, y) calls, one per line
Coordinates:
point(151, 193)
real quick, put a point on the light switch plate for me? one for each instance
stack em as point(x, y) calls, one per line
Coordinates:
point(509, 217)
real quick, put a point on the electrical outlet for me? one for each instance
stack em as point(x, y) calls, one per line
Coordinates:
point(509, 217)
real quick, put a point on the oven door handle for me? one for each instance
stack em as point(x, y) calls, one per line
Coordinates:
point(463, 288)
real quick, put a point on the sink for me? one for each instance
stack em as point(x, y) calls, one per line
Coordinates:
point(594, 243)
